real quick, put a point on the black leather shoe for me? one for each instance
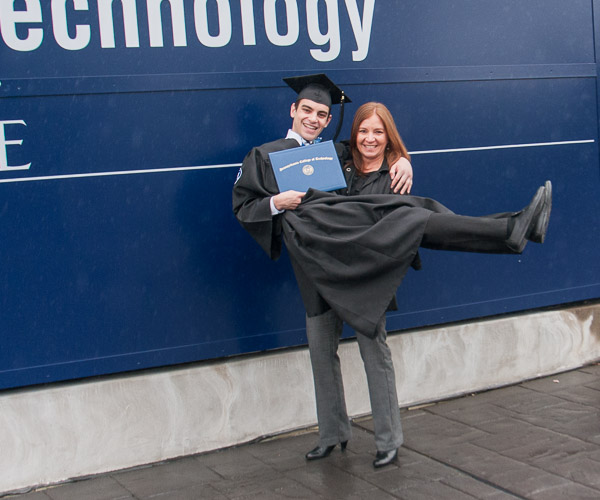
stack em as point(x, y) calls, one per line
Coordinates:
point(323, 451)
point(538, 232)
point(384, 458)
point(524, 222)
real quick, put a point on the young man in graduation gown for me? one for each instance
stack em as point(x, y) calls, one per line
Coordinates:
point(256, 197)
point(258, 205)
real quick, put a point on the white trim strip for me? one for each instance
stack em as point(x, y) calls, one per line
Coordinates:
point(507, 146)
point(232, 165)
point(122, 172)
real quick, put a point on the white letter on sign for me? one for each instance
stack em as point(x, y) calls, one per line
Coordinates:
point(107, 28)
point(9, 18)
point(177, 20)
point(3, 143)
point(248, 22)
point(361, 29)
point(61, 31)
point(201, 15)
point(333, 30)
point(293, 23)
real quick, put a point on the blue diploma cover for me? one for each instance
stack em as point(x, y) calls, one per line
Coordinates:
point(315, 166)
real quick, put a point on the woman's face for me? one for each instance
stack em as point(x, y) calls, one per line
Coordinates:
point(372, 139)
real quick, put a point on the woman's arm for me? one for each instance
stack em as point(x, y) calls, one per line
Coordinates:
point(401, 173)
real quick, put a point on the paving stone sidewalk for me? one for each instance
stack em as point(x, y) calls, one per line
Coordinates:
point(535, 440)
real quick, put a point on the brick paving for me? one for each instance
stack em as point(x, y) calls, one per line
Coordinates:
point(536, 440)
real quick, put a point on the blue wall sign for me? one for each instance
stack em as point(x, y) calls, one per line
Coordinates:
point(123, 124)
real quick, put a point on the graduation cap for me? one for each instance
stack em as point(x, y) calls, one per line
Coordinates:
point(318, 88)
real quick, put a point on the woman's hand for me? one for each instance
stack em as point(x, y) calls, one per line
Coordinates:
point(288, 200)
point(401, 173)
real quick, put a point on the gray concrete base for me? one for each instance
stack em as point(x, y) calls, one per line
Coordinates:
point(51, 434)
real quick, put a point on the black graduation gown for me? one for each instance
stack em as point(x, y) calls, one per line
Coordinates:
point(255, 186)
point(252, 191)
point(356, 250)
point(348, 253)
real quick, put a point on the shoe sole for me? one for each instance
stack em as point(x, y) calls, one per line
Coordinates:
point(518, 239)
point(538, 234)
point(383, 464)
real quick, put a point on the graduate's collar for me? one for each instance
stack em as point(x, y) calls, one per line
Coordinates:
point(297, 137)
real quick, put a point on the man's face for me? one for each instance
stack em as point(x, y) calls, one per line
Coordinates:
point(310, 118)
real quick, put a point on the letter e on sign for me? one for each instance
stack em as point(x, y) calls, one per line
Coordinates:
point(4, 143)
point(9, 18)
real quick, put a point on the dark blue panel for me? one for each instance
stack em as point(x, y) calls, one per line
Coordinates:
point(564, 269)
point(439, 116)
point(147, 268)
point(481, 114)
point(483, 32)
point(145, 276)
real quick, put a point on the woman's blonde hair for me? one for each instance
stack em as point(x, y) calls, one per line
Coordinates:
point(395, 148)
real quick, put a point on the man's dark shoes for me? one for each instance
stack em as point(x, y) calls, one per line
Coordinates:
point(384, 458)
point(525, 221)
point(538, 232)
point(323, 451)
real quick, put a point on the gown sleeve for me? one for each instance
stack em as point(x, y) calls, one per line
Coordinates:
point(252, 192)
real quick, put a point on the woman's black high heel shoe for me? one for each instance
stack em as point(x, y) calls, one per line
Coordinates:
point(384, 458)
point(323, 451)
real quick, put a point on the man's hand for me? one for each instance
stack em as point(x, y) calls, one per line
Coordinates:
point(401, 173)
point(288, 200)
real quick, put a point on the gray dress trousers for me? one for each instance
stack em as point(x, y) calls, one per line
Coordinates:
point(324, 333)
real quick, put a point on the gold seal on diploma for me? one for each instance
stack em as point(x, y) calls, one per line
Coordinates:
point(308, 170)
